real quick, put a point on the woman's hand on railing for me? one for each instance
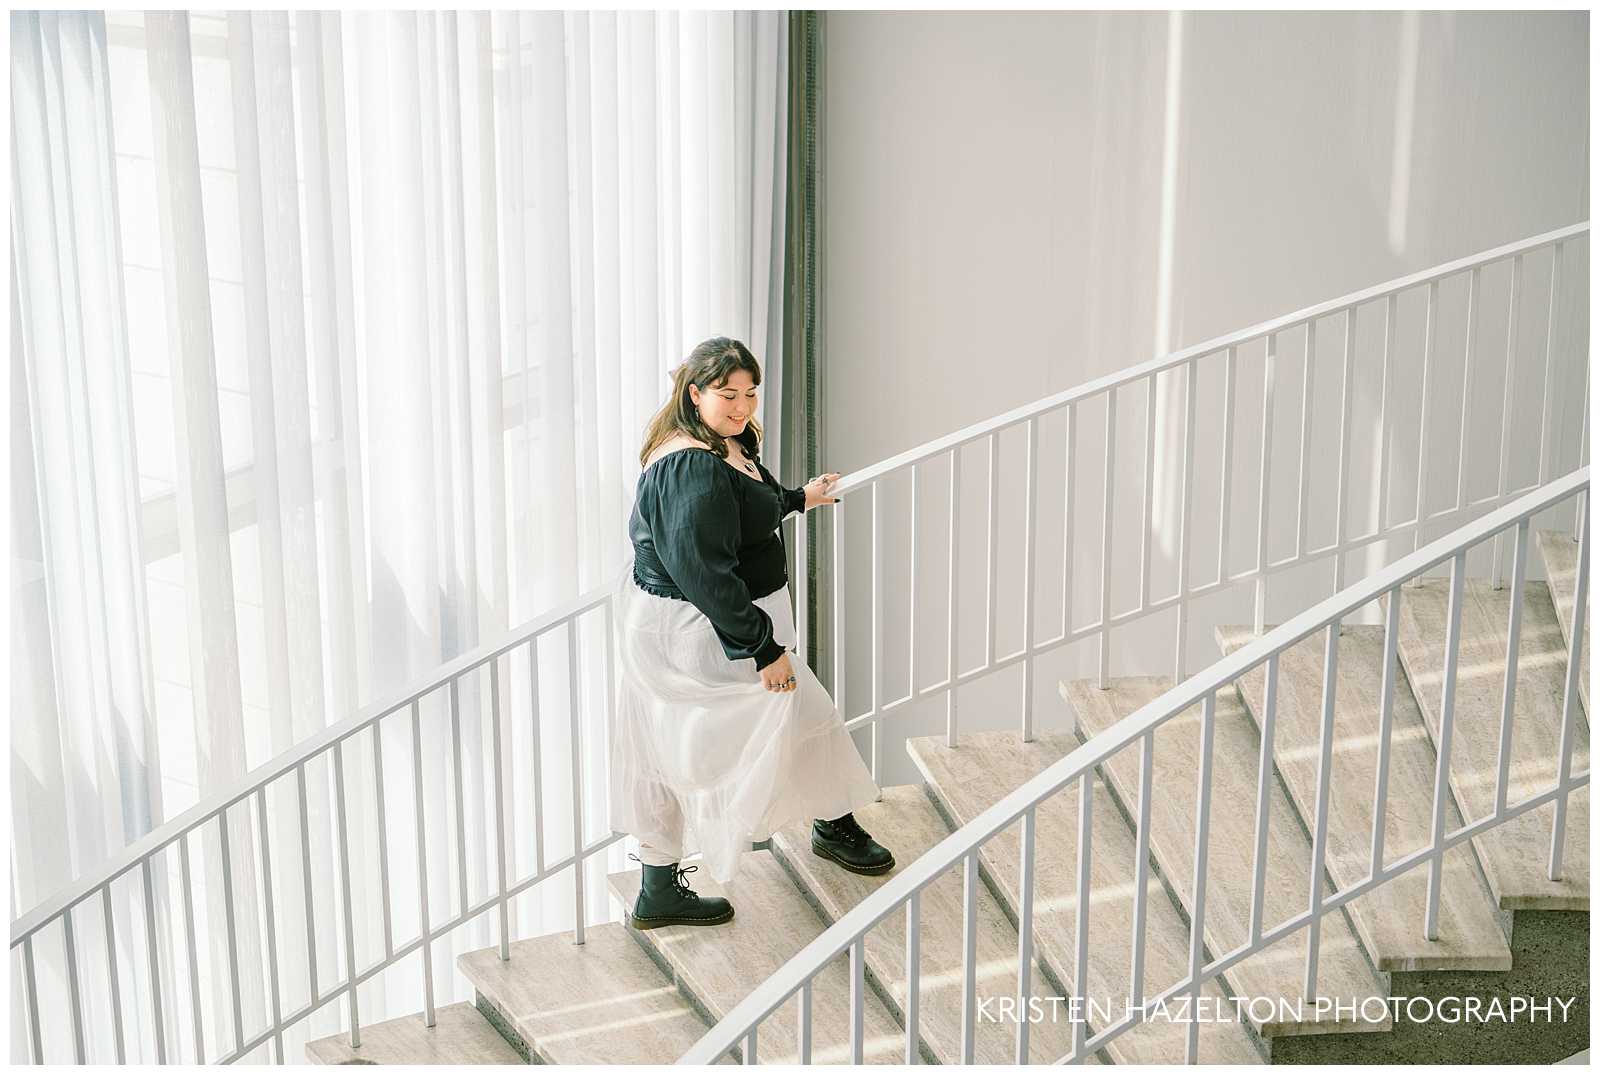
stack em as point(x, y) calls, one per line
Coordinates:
point(817, 490)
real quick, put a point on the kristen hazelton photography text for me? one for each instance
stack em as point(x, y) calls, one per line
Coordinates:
point(1237, 1009)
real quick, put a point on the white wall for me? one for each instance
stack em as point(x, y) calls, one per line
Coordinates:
point(1017, 203)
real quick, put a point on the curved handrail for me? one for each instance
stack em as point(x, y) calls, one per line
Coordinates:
point(896, 893)
point(272, 769)
point(1160, 364)
point(1186, 362)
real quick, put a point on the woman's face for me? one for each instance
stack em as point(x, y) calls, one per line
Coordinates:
point(727, 408)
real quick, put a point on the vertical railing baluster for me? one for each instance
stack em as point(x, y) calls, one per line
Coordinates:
point(112, 978)
point(538, 748)
point(1149, 489)
point(1319, 836)
point(612, 683)
point(461, 803)
point(911, 611)
point(1269, 382)
point(858, 960)
point(953, 600)
point(1570, 701)
point(838, 610)
point(1385, 411)
point(1024, 934)
point(804, 1018)
point(30, 984)
point(1264, 769)
point(1202, 839)
point(1066, 522)
point(1582, 508)
point(877, 626)
point(1305, 439)
point(1185, 507)
point(498, 755)
point(1549, 363)
point(1141, 868)
point(990, 619)
point(750, 1054)
point(579, 862)
point(1441, 774)
point(1104, 657)
point(270, 911)
point(1506, 401)
point(1225, 497)
point(383, 838)
point(1081, 918)
point(1580, 511)
point(1345, 402)
point(232, 935)
point(1508, 692)
point(194, 953)
point(153, 957)
point(344, 886)
point(1468, 349)
point(969, 955)
point(1380, 791)
point(1429, 337)
point(74, 988)
point(913, 975)
point(423, 918)
point(305, 885)
point(802, 586)
point(1030, 513)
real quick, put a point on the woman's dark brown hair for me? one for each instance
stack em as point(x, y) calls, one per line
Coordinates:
point(708, 366)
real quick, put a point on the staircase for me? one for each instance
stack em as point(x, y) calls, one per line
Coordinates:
point(1276, 841)
point(629, 996)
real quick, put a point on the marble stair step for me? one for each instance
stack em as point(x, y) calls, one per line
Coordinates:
point(1514, 855)
point(907, 823)
point(1277, 972)
point(459, 1035)
point(1560, 555)
point(718, 966)
point(600, 1002)
point(1389, 918)
point(986, 766)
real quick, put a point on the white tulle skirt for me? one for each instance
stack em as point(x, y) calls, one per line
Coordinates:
point(705, 758)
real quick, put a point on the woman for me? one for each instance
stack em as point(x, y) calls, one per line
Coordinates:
point(719, 738)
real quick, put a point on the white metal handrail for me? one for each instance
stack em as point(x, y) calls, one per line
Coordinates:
point(740, 1026)
point(1188, 360)
point(329, 743)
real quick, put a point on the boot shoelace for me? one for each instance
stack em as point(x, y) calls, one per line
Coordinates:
point(849, 828)
point(677, 877)
point(677, 882)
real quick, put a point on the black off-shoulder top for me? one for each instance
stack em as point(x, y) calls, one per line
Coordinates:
point(708, 533)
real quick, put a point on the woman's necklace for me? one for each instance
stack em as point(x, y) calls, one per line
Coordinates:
point(744, 462)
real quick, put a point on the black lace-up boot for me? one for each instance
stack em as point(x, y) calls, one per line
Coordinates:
point(844, 841)
point(664, 900)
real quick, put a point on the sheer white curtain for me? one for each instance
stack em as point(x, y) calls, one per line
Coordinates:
point(332, 339)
